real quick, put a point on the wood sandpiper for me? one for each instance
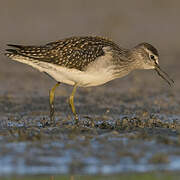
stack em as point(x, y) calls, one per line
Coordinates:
point(86, 61)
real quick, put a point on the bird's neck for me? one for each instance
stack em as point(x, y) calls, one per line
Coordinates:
point(136, 56)
point(124, 67)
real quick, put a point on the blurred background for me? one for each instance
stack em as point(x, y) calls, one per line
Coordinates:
point(140, 96)
point(126, 22)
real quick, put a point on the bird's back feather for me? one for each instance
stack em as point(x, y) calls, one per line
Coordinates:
point(74, 52)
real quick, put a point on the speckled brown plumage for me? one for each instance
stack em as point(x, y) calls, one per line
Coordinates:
point(74, 52)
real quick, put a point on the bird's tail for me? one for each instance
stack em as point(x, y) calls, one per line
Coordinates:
point(41, 53)
point(12, 52)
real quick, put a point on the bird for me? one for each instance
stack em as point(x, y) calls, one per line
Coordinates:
point(86, 61)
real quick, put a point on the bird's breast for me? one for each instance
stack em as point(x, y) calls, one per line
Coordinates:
point(82, 78)
point(96, 73)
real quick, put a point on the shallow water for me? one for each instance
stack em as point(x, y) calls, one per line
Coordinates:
point(106, 144)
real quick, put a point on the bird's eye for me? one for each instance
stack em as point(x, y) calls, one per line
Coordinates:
point(152, 57)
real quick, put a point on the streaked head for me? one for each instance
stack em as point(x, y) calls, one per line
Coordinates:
point(147, 57)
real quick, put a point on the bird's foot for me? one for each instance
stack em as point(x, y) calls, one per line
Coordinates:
point(76, 118)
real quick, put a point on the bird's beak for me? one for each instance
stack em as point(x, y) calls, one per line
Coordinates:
point(163, 75)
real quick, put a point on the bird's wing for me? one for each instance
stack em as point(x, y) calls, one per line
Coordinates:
point(75, 52)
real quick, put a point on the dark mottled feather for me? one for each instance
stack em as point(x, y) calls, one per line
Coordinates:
point(74, 52)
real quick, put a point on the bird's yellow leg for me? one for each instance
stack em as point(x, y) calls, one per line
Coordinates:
point(51, 100)
point(71, 102)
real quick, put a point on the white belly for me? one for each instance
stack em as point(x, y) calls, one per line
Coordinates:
point(97, 74)
point(82, 78)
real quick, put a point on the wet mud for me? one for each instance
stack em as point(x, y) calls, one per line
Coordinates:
point(118, 131)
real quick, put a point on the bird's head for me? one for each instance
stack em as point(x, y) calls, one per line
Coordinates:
point(147, 57)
